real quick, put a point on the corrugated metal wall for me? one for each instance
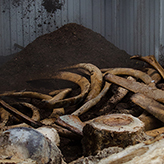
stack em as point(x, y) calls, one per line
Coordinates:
point(136, 26)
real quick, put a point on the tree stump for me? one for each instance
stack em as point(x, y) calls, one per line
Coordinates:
point(112, 130)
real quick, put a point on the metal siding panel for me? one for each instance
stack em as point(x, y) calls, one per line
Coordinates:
point(50, 22)
point(6, 27)
point(89, 13)
point(76, 13)
point(13, 19)
point(19, 21)
point(135, 49)
point(70, 11)
point(120, 17)
point(161, 23)
point(131, 28)
point(1, 31)
point(145, 35)
point(147, 29)
point(45, 22)
point(38, 18)
point(161, 34)
point(108, 19)
point(157, 27)
point(32, 24)
point(102, 18)
point(96, 16)
point(83, 12)
point(125, 8)
point(58, 19)
point(114, 30)
point(26, 22)
point(135, 26)
point(138, 26)
point(127, 23)
point(152, 27)
point(118, 23)
point(142, 25)
point(64, 12)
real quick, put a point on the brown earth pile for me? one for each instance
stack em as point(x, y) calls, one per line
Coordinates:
point(70, 44)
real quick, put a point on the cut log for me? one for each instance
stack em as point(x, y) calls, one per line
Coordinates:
point(57, 112)
point(4, 117)
point(20, 115)
point(96, 78)
point(160, 86)
point(35, 110)
point(26, 94)
point(115, 99)
point(150, 121)
point(15, 160)
point(73, 77)
point(100, 155)
point(55, 92)
point(111, 130)
point(150, 105)
point(72, 123)
point(154, 74)
point(136, 87)
point(65, 133)
point(152, 61)
point(59, 96)
point(140, 153)
point(155, 132)
point(130, 72)
point(84, 108)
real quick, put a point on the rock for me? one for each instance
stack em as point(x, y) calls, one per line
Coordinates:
point(51, 134)
point(23, 143)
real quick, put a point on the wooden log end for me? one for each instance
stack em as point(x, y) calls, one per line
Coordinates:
point(112, 130)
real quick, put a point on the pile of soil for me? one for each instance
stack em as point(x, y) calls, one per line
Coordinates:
point(70, 44)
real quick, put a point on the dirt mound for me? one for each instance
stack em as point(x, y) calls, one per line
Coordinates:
point(70, 44)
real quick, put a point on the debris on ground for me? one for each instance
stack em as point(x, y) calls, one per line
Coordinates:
point(74, 81)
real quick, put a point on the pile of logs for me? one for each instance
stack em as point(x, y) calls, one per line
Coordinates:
point(108, 131)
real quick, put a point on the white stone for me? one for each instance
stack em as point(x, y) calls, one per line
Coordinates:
point(27, 143)
point(51, 134)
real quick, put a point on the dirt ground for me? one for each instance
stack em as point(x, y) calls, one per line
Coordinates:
point(31, 68)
